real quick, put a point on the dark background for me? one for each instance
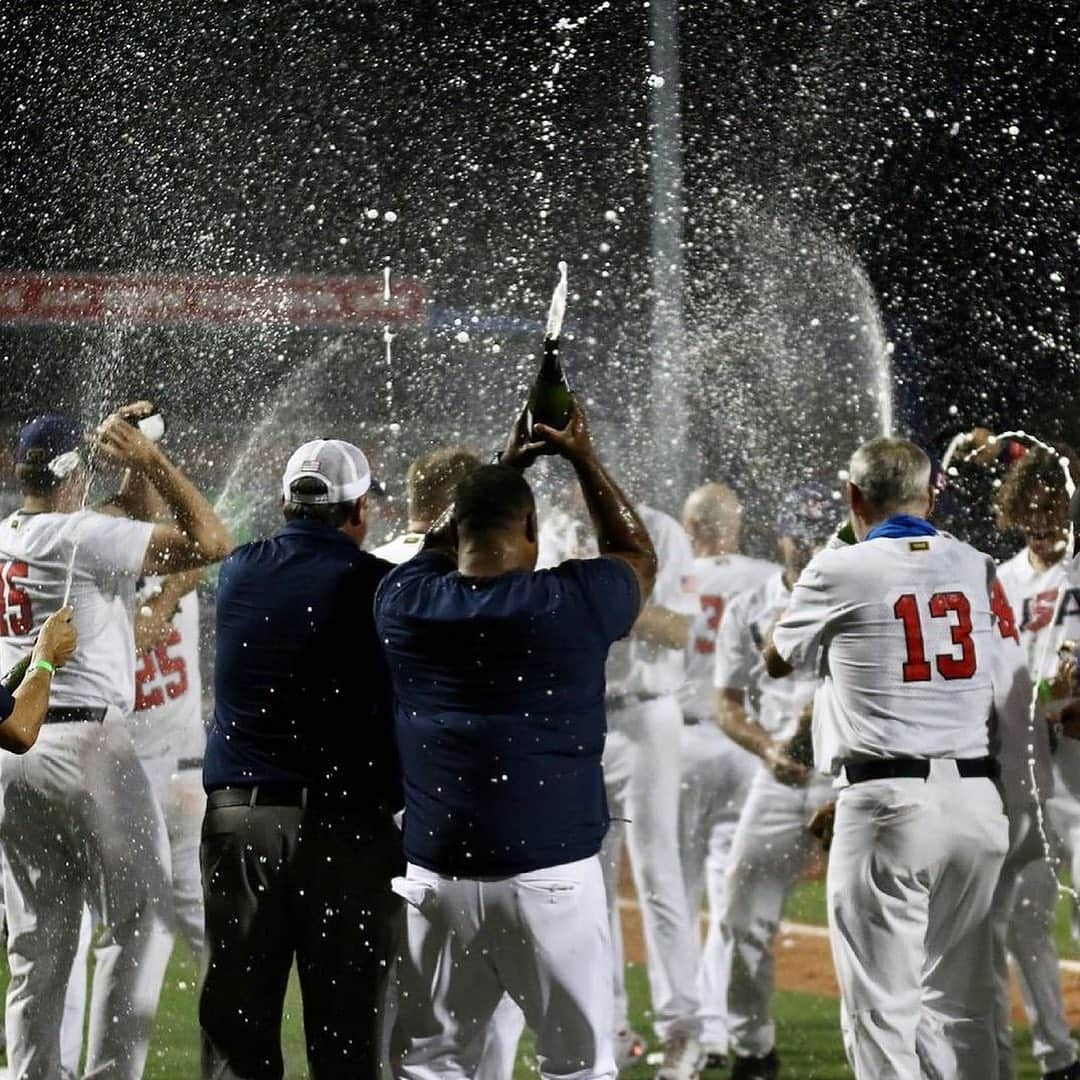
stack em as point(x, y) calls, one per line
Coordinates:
point(934, 142)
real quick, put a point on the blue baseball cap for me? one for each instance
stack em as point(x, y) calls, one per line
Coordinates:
point(809, 513)
point(47, 438)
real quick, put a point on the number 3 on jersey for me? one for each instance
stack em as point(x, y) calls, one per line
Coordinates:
point(916, 667)
point(152, 676)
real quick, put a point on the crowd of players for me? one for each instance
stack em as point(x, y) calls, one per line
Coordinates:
point(708, 767)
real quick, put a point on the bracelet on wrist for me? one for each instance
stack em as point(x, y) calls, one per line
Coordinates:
point(45, 666)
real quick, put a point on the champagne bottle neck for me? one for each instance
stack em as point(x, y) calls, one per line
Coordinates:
point(11, 678)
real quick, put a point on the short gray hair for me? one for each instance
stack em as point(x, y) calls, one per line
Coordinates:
point(890, 473)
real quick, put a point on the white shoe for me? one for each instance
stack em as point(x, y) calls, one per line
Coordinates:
point(629, 1048)
point(682, 1058)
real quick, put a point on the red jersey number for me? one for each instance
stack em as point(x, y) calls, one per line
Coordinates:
point(154, 679)
point(942, 605)
point(16, 616)
point(713, 606)
point(1003, 612)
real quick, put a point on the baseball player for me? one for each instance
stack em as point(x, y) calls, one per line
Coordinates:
point(1033, 500)
point(900, 626)
point(168, 735)
point(642, 775)
point(429, 489)
point(716, 771)
point(771, 844)
point(78, 822)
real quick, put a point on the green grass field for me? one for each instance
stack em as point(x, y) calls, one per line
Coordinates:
point(808, 1026)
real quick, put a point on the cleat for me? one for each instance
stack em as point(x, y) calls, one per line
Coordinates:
point(629, 1048)
point(715, 1056)
point(1070, 1072)
point(682, 1058)
point(756, 1068)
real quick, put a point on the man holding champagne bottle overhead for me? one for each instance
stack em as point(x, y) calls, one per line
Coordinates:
point(500, 725)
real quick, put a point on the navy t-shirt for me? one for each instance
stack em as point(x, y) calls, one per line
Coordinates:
point(7, 704)
point(499, 707)
point(301, 690)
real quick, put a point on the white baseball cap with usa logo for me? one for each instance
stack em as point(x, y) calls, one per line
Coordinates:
point(342, 468)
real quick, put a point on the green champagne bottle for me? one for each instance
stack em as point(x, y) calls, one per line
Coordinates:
point(13, 677)
point(550, 402)
point(846, 533)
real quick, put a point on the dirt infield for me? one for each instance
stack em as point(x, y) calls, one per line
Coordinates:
point(804, 962)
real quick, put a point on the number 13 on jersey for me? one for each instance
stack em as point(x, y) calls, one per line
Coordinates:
point(958, 663)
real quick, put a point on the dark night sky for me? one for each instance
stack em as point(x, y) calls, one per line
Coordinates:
point(934, 140)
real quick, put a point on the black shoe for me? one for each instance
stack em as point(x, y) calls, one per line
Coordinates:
point(758, 1068)
point(1070, 1072)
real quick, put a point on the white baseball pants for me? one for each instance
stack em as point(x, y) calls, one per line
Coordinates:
point(183, 803)
point(1023, 918)
point(541, 937)
point(1063, 812)
point(912, 873)
point(769, 852)
point(642, 775)
point(716, 775)
point(78, 825)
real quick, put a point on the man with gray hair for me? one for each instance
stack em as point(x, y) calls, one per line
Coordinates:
point(901, 628)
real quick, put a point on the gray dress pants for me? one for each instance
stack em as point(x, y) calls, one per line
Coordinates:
point(281, 882)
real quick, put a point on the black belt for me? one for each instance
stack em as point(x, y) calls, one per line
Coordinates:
point(186, 763)
point(916, 768)
point(68, 716)
point(289, 795)
point(614, 702)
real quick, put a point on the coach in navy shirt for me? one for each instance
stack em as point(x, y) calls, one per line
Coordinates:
point(498, 675)
point(302, 779)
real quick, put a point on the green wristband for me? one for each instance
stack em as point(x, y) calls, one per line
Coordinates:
point(45, 666)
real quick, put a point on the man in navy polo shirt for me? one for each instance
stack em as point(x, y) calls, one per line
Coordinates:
point(498, 674)
point(302, 779)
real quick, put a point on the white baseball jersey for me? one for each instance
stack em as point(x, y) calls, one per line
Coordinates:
point(774, 703)
point(562, 537)
point(401, 549)
point(35, 550)
point(639, 667)
point(168, 684)
point(717, 578)
point(1033, 595)
point(901, 629)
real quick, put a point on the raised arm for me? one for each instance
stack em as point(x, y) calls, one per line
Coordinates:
point(619, 530)
point(153, 619)
point(198, 537)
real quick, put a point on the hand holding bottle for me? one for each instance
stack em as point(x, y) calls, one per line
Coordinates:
point(57, 639)
point(572, 442)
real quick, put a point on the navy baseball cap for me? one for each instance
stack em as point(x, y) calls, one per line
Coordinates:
point(46, 438)
point(809, 513)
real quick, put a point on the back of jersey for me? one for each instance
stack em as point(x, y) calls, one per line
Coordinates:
point(901, 628)
point(35, 553)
